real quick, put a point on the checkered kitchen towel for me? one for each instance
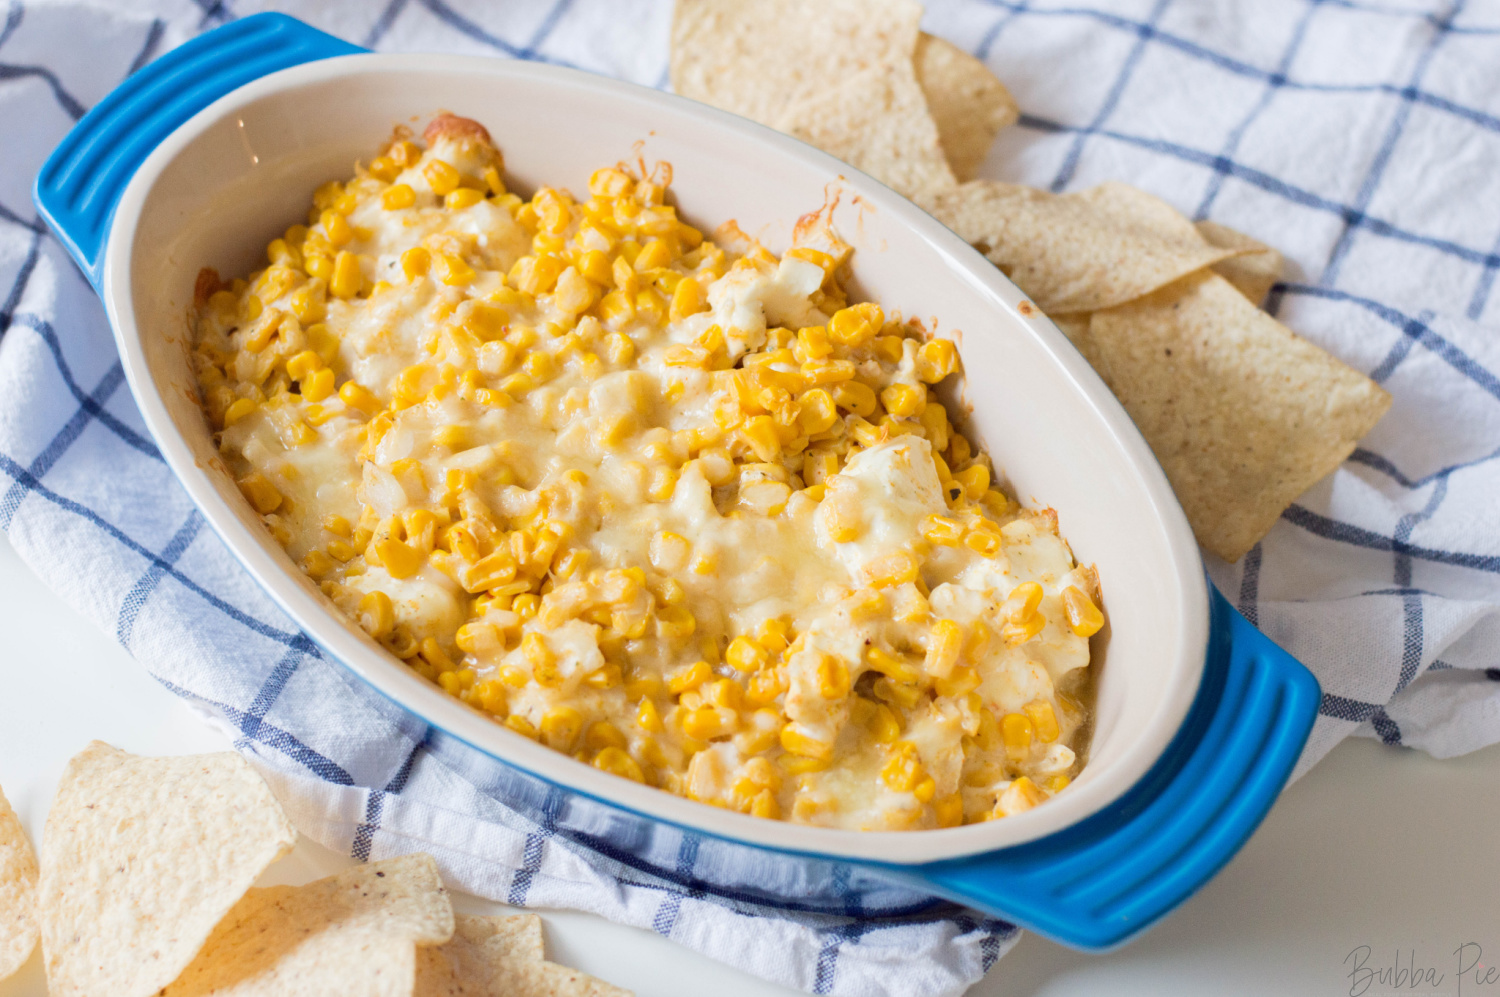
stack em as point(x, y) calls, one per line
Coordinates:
point(1360, 136)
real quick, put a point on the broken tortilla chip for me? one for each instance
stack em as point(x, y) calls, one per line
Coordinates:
point(501, 955)
point(759, 59)
point(877, 121)
point(353, 934)
point(1243, 414)
point(968, 104)
point(1077, 252)
point(141, 858)
point(18, 873)
point(1255, 271)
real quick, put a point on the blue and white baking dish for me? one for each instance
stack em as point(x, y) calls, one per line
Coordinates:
point(203, 156)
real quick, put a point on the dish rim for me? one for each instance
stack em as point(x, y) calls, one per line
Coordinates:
point(379, 671)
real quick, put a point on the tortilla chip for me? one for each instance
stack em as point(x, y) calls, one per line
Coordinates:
point(353, 934)
point(501, 955)
point(1255, 272)
point(1078, 252)
point(968, 104)
point(18, 872)
point(1076, 328)
point(141, 858)
point(759, 58)
point(1243, 414)
point(877, 121)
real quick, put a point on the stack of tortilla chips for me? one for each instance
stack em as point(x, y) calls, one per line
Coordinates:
point(145, 888)
point(1243, 415)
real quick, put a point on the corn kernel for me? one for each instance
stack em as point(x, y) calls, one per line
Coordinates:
point(358, 397)
point(801, 764)
point(384, 168)
point(493, 181)
point(855, 397)
point(432, 652)
point(942, 530)
point(1022, 602)
point(903, 400)
point(746, 655)
point(760, 434)
point(856, 325)
point(841, 517)
point(260, 493)
point(985, 543)
point(975, 481)
point(615, 760)
point(397, 557)
point(961, 681)
point(318, 265)
point(817, 412)
point(303, 364)
point(415, 262)
point(492, 697)
point(463, 197)
point(764, 805)
point(708, 723)
point(441, 177)
point(610, 182)
point(535, 274)
point(237, 410)
point(476, 636)
point(595, 265)
point(936, 360)
point(903, 770)
point(1018, 633)
point(603, 734)
point(317, 386)
point(1016, 731)
point(1020, 796)
point(560, 727)
point(687, 679)
point(687, 299)
point(397, 197)
point(521, 726)
point(453, 270)
point(347, 279)
point(813, 343)
point(648, 718)
point(944, 645)
point(797, 743)
point(896, 568)
point(833, 677)
point(574, 294)
point(1084, 618)
point(375, 614)
point(888, 664)
point(1043, 720)
point(336, 228)
point(539, 366)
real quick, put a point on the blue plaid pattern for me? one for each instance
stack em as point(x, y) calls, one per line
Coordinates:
point(1359, 137)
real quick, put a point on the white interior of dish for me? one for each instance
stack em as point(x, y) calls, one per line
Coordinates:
point(240, 172)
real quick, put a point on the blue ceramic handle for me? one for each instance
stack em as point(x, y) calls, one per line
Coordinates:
point(82, 181)
point(1099, 883)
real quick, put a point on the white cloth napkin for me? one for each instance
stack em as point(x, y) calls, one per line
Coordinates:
point(1358, 137)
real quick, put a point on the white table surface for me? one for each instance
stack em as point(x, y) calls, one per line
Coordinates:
point(1376, 847)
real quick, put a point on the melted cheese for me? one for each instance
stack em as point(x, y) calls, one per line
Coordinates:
point(671, 541)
